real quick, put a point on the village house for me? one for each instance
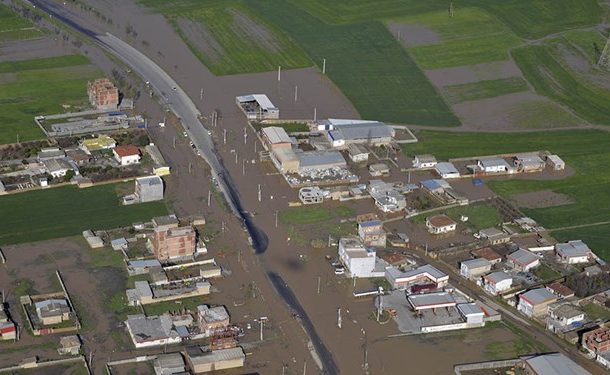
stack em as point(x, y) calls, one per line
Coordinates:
point(497, 282)
point(523, 260)
point(52, 311)
point(204, 361)
point(529, 162)
point(371, 233)
point(212, 319)
point(494, 236)
point(487, 253)
point(151, 331)
point(597, 343)
point(446, 170)
point(473, 268)
point(103, 94)
point(149, 189)
point(69, 345)
point(551, 364)
point(424, 275)
point(8, 330)
point(560, 290)
point(534, 303)
point(555, 162)
point(493, 165)
point(173, 243)
point(573, 252)
point(126, 155)
point(357, 153)
point(59, 167)
point(103, 142)
point(424, 161)
point(563, 316)
point(440, 224)
point(169, 364)
point(359, 260)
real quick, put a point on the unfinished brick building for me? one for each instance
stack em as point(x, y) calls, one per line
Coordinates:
point(103, 94)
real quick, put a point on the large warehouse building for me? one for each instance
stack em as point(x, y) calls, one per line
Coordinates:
point(257, 107)
point(342, 133)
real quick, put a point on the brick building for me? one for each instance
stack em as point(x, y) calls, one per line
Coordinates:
point(597, 341)
point(103, 94)
point(171, 243)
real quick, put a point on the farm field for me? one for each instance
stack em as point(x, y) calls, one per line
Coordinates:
point(230, 39)
point(543, 68)
point(66, 211)
point(528, 19)
point(471, 36)
point(585, 151)
point(13, 27)
point(484, 89)
point(41, 86)
point(480, 216)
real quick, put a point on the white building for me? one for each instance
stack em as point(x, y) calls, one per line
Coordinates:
point(59, 167)
point(424, 161)
point(126, 155)
point(493, 165)
point(357, 153)
point(497, 282)
point(564, 315)
point(535, 302)
point(474, 268)
point(573, 252)
point(440, 224)
point(472, 313)
point(529, 162)
point(146, 332)
point(359, 261)
point(447, 170)
point(425, 274)
point(556, 162)
point(523, 260)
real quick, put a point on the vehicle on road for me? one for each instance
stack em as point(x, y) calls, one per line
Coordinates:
point(339, 270)
point(184, 134)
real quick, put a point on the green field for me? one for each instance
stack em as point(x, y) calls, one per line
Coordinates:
point(594, 312)
point(595, 236)
point(484, 89)
point(542, 67)
point(586, 151)
point(231, 39)
point(13, 27)
point(480, 216)
point(472, 36)
point(527, 18)
point(60, 212)
point(313, 214)
point(35, 87)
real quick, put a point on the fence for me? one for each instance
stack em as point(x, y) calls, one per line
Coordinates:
point(485, 365)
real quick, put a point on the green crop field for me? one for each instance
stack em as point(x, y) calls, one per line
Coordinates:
point(13, 27)
point(484, 89)
point(541, 67)
point(586, 151)
point(480, 216)
point(230, 39)
point(527, 18)
point(65, 211)
point(35, 87)
point(472, 36)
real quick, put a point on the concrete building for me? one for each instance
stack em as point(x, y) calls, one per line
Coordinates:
point(312, 195)
point(149, 189)
point(69, 345)
point(497, 282)
point(103, 94)
point(494, 236)
point(52, 311)
point(371, 233)
point(424, 161)
point(440, 224)
point(379, 169)
point(560, 290)
point(447, 170)
point(78, 156)
point(319, 160)
point(523, 260)
point(276, 137)
point(212, 319)
point(103, 142)
point(426, 274)
point(257, 107)
point(173, 243)
point(342, 133)
point(201, 361)
point(552, 364)
point(474, 268)
point(534, 303)
point(151, 331)
point(428, 301)
point(285, 159)
point(529, 163)
point(8, 330)
point(573, 252)
point(357, 153)
point(59, 167)
point(597, 341)
point(564, 315)
point(126, 155)
point(493, 165)
point(555, 162)
point(165, 222)
point(359, 261)
point(169, 364)
point(49, 153)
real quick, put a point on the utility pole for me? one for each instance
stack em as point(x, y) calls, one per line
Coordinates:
point(323, 66)
point(296, 93)
point(339, 317)
point(315, 113)
point(209, 197)
point(224, 136)
point(222, 227)
point(304, 367)
point(201, 94)
point(276, 212)
point(236, 157)
point(174, 142)
point(245, 136)
point(319, 286)
point(243, 167)
point(259, 192)
point(451, 9)
point(190, 168)
point(398, 35)
point(255, 146)
point(279, 73)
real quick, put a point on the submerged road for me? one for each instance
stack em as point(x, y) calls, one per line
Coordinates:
point(183, 107)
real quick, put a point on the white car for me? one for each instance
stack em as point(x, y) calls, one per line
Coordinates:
point(184, 134)
point(339, 271)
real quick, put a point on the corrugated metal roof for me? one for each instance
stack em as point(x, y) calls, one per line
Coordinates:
point(555, 364)
point(262, 100)
point(537, 296)
point(276, 134)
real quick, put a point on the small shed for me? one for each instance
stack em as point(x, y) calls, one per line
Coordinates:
point(556, 162)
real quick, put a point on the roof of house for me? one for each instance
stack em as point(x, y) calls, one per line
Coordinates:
point(492, 233)
point(555, 159)
point(554, 364)
point(567, 311)
point(103, 141)
point(262, 100)
point(496, 277)
point(529, 158)
point(126, 150)
point(560, 289)
point(200, 357)
point(276, 134)
point(487, 253)
point(523, 257)
point(52, 307)
point(476, 263)
point(149, 180)
point(435, 184)
point(429, 269)
point(356, 149)
point(379, 167)
point(573, 249)
point(440, 221)
point(538, 296)
point(446, 168)
point(150, 328)
point(470, 309)
point(53, 165)
point(361, 130)
point(371, 223)
point(431, 299)
point(493, 162)
point(51, 152)
point(170, 361)
point(213, 314)
point(69, 341)
point(314, 159)
point(165, 220)
point(425, 158)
